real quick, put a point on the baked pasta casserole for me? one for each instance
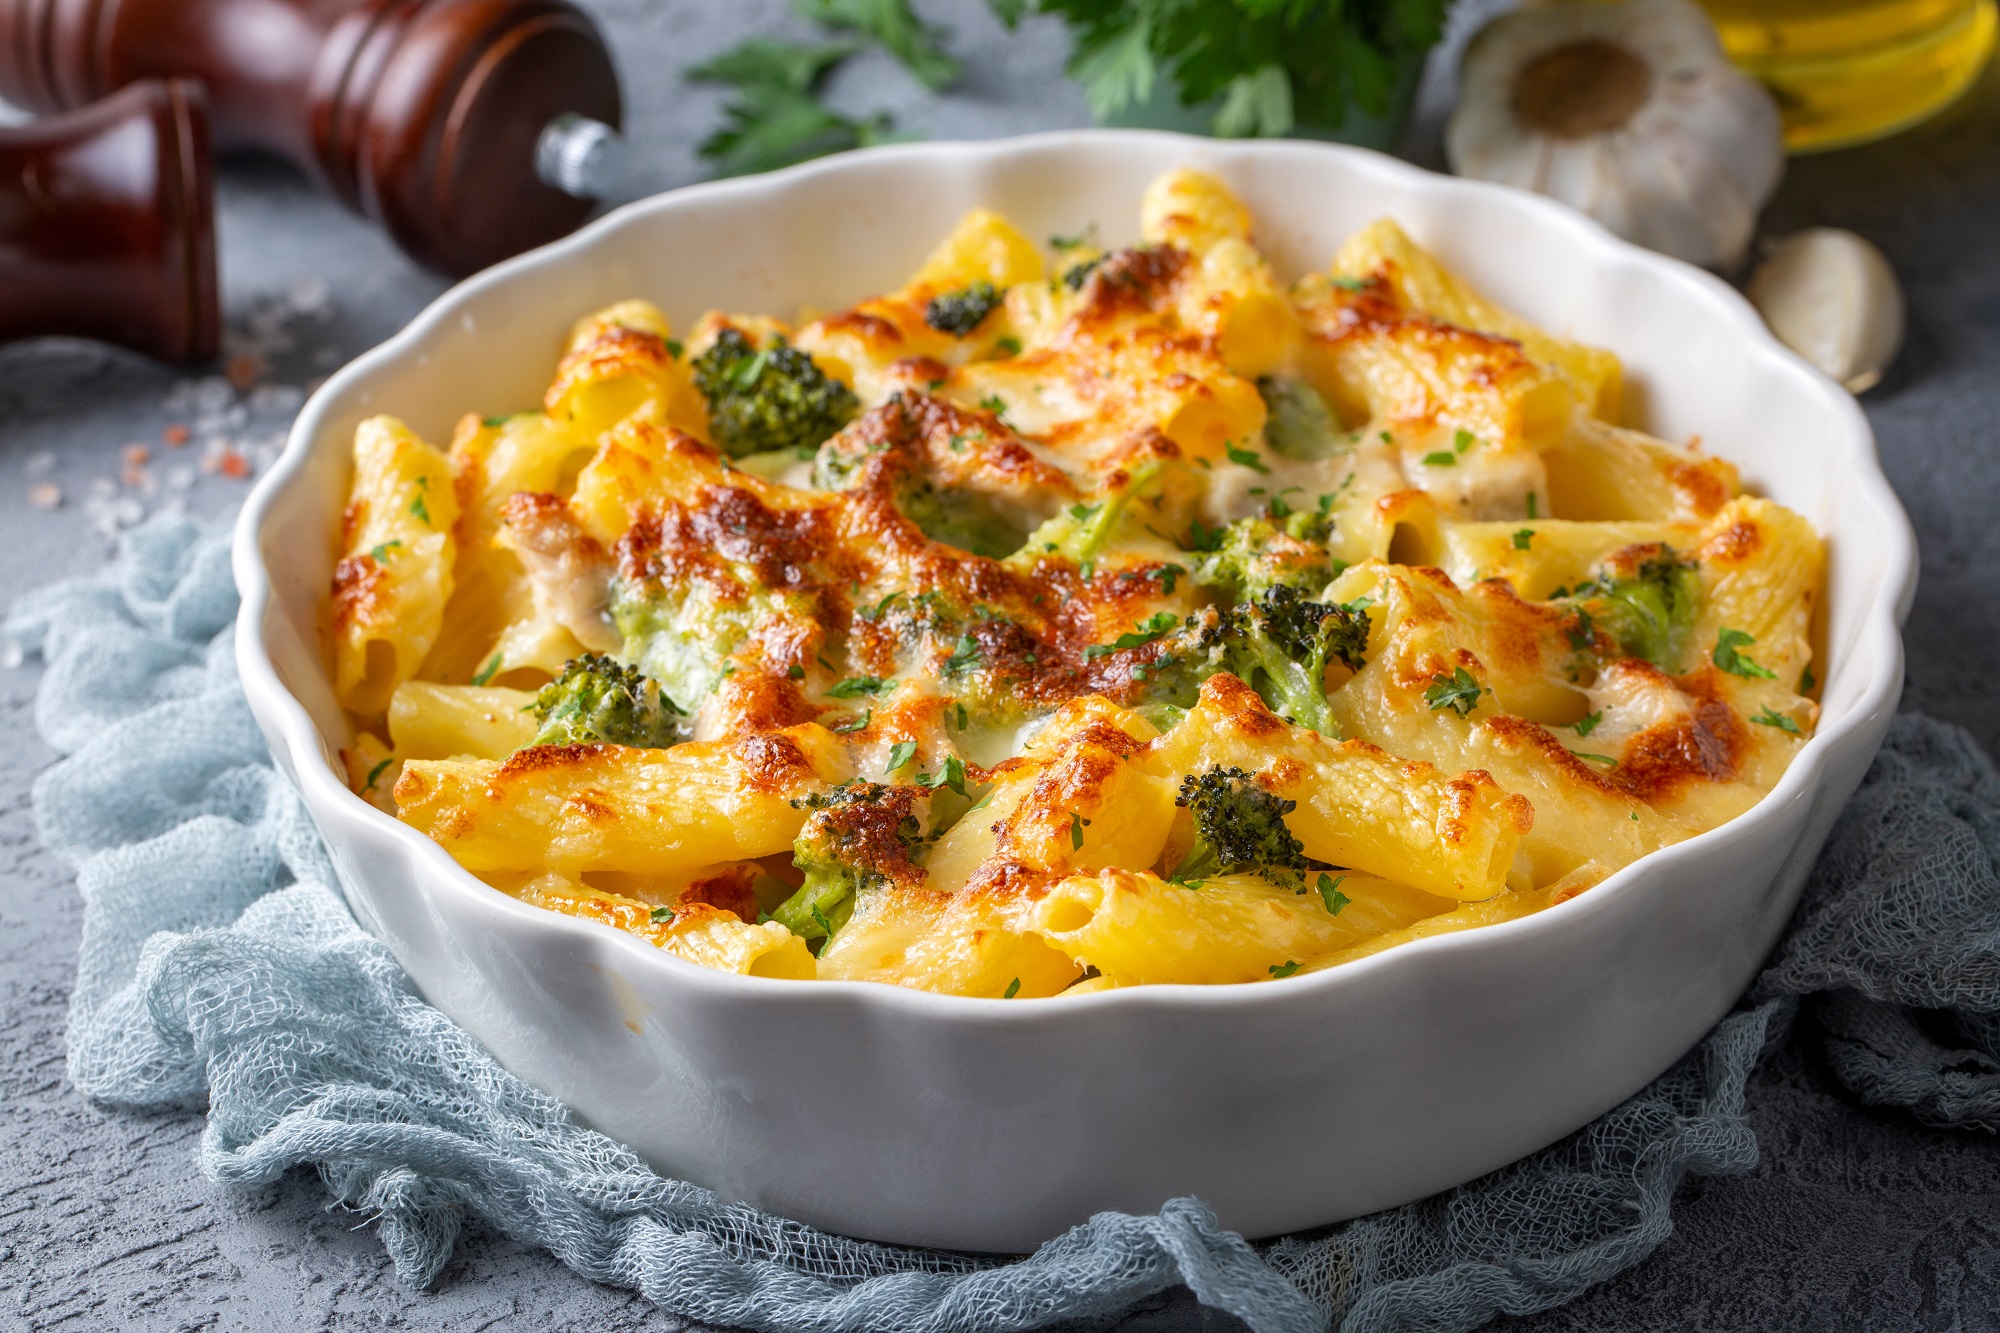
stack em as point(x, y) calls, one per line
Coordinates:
point(1068, 618)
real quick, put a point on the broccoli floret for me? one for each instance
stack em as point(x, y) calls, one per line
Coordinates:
point(1298, 424)
point(1279, 646)
point(1238, 828)
point(769, 398)
point(959, 313)
point(1648, 608)
point(597, 700)
point(964, 519)
point(1253, 555)
point(860, 835)
point(1082, 531)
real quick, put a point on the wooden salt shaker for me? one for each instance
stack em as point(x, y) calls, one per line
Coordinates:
point(424, 115)
point(107, 224)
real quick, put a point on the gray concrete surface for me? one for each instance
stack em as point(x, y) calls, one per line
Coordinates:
point(1854, 1220)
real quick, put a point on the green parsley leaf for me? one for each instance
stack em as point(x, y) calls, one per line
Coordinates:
point(1080, 512)
point(1459, 691)
point(488, 671)
point(1584, 635)
point(1349, 284)
point(1013, 989)
point(1246, 457)
point(1077, 824)
point(1735, 663)
point(1358, 604)
point(853, 687)
point(960, 710)
point(819, 919)
point(1463, 440)
point(1441, 458)
point(1586, 724)
point(418, 508)
point(951, 775)
point(1285, 969)
point(1604, 759)
point(1009, 344)
point(661, 915)
point(994, 403)
point(1806, 681)
point(1523, 539)
point(380, 553)
point(1148, 631)
point(964, 654)
point(1531, 506)
point(1769, 718)
point(375, 773)
point(854, 724)
point(795, 672)
point(1330, 894)
point(493, 423)
point(675, 348)
point(1166, 574)
point(902, 752)
point(917, 46)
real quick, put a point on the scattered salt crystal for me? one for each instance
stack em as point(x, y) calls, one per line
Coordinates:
point(45, 495)
point(309, 296)
point(12, 654)
point(276, 400)
point(40, 464)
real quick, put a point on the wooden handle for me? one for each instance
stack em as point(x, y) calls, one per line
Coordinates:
point(421, 114)
point(107, 224)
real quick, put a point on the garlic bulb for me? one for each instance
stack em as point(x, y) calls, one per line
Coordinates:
point(1831, 297)
point(1628, 111)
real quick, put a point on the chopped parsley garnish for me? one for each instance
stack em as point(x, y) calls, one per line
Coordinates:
point(1248, 458)
point(1166, 574)
point(951, 775)
point(1459, 691)
point(1735, 663)
point(795, 672)
point(1330, 894)
point(901, 753)
point(1148, 631)
point(1769, 718)
point(1285, 969)
point(855, 686)
point(380, 553)
point(493, 423)
point(418, 508)
point(1441, 458)
point(994, 403)
point(488, 671)
point(1013, 989)
point(1463, 440)
point(1531, 506)
point(964, 654)
point(1077, 274)
point(1204, 538)
point(375, 773)
point(1586, 724)
point(661, 915)
point(819, 919)
point(1524, 538)
point(1584, 635)
point(675, 348)
point(1806, 681)
point(1604, 759)
point(1077, 824)
point(1008, 344)
point(854, 724)
point(1350, 284)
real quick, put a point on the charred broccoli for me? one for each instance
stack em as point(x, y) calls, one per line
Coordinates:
point(1253, 555)
point(1647, 606)
point(1238, 827)
point(959, 313)
point(1279, 646)
point(859, 835)
point(597, 700)
point(769, 398)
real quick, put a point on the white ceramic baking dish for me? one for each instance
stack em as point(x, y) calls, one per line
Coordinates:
point(989, 1125)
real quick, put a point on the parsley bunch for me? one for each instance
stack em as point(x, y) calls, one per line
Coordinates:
point(1272, 63)
point(776, 117)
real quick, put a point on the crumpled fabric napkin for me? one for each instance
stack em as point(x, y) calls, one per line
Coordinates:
point(220, 967)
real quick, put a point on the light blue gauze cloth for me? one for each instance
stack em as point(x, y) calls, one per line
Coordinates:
point(220, 965)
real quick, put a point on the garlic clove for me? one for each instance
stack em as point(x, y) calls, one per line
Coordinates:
point(1831, 297)
point(1629, 111)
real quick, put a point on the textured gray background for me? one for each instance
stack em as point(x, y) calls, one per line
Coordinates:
point(1855, 1220)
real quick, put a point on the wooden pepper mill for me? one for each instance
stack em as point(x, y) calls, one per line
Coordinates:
point(107, 224)
point(424, 115)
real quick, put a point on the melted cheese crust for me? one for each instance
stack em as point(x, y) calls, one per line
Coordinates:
point(972, 592)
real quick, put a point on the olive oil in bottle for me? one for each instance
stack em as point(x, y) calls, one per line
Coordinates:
point(1847, 71)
